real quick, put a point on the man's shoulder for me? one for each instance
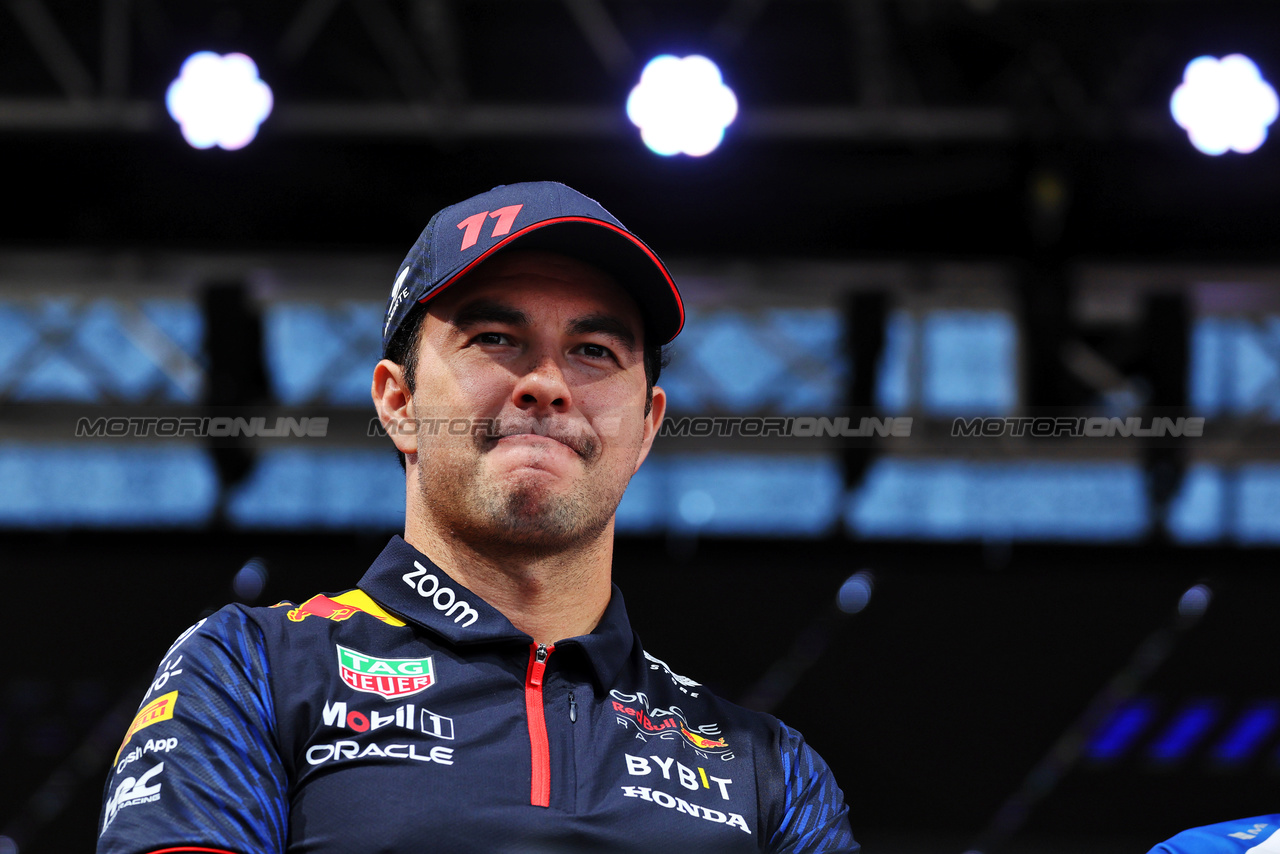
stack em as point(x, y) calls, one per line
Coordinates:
point(335, 607)
point(289, 623)
point(1228, 837)
point(661, 697)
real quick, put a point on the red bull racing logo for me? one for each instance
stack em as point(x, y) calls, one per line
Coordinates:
point(633, 710)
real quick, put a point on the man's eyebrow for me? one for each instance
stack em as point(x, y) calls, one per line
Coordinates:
point(604, 324)
point(484, 311)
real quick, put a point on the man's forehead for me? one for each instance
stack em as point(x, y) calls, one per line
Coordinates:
point(522, 279)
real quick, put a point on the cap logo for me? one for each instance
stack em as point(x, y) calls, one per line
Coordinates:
point(471, 225)
point(397, 297)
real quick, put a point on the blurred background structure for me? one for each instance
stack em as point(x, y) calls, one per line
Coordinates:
point(923, 209)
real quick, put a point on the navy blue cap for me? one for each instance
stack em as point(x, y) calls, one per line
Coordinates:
point(538, 215)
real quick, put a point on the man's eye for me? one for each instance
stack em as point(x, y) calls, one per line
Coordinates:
point(491, 338)
point(596, 351)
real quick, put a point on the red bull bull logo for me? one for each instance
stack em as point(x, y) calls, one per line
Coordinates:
point(339, 608)
point(322, 606)
point(701, 741)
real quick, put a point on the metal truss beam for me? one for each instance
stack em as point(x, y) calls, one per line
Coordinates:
point(356, 120)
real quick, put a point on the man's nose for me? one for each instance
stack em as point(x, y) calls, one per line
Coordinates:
point(543, 387)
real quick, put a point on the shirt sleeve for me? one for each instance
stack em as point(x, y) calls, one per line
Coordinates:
point(815, 819)
point(1258, 834)
point(199, 768)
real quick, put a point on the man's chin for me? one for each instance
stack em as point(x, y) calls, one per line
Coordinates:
point(540, 517)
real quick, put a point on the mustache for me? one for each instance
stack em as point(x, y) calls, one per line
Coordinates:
point(581, 442)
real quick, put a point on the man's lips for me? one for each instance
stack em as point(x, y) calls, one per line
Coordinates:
point(580, 445)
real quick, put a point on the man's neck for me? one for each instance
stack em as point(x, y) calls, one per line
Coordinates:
point(549, 596)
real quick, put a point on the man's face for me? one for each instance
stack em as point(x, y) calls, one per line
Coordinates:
point(551, 349)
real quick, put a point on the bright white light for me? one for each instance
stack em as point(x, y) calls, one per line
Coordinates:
point(1224, 105)
point(219, 100)
point(681, 105)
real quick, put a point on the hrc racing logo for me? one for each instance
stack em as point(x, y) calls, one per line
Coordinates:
point(159, 709)
point(391, 678)
point(131, 792)
point(668, 725)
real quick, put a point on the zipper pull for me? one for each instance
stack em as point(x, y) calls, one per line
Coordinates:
point(539, 663)
point(573, 709)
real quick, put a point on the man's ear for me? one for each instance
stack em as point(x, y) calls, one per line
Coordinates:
point(394, 402)
point(652, 421)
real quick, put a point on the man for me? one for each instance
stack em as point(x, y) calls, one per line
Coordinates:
point(1260, 835)
point(481, 689)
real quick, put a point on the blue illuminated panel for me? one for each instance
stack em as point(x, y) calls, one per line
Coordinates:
point(734, 495)
point(59, 486)
point(1196, 513)
point(1118, 733)
point(781, 360)
point(1187, 729)
point(322, 353)
point(293, 488)
point(970, 363)
point(966, 362)
point(1258, 499)
point(1247, 733)
point(104, 350)
point(952, 499)
point(1234, 370)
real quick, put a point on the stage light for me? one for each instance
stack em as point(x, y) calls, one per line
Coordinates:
point(697, 507)
point(855, 593)
point(250, 581)
point(1195, 601)
point(1224, 105)
point(218, 100)
point(681, 105)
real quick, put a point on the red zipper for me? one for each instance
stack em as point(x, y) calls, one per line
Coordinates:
point(539, 751)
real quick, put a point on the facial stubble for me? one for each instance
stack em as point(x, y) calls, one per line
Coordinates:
point(518, 511)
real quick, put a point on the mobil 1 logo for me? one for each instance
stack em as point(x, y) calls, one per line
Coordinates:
point(405, 716)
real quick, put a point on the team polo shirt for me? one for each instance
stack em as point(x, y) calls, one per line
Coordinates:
point(1257, 835)
point(408, 715)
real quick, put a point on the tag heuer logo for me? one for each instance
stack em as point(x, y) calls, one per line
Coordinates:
point(388, 677)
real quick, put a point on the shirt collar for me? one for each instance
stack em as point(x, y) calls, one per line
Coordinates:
point(405, 581)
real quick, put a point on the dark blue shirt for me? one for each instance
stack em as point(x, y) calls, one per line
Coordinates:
point(409, 715)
